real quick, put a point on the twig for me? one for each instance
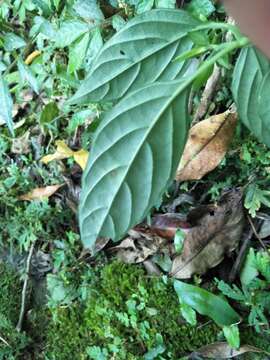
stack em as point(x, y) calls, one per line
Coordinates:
point(4, 341)
point(256, 233)
point(211, 84)
point(207, 95)
point(241, 256)
point(24, 291)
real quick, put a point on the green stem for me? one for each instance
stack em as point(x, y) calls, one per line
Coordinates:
point(237, 44)
point(220, 25)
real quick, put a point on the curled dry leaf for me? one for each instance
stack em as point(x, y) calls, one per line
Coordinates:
point(41, 193)
point(206, 146)
point(64, 152)
point(166, 225)
point(221, 350)
point(138, 246)
point(217, 230)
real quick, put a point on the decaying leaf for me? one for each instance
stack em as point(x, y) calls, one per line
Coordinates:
point(166, 225)
point(41, 193)
point(221, 350)
point(207, 144)
point(21, 145)
point(64, 152)
point(138, 246)
point(217, 230)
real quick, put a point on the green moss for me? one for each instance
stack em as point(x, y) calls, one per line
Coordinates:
point(10, 293)
point(13, 344)
point(250, 337)
point(126, 315)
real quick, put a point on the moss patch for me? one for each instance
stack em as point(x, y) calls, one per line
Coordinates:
point(127, 315)
point(13, 344)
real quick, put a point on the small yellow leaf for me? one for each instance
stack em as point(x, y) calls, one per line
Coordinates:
point(81, 157)
point(31, 57)
point(62, 152)
point(40, 193)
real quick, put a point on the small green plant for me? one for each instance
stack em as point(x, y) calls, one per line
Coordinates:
point(160, 91)
point(254, 294)
point(127, 315)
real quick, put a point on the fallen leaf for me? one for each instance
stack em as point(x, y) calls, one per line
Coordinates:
point(166, 225)
point(41, 193)
point(221, 350)
point(81, 157)
point(217, 230)
point(138, 247)
point(64, 152)
point(206, 146)
point(21, 145)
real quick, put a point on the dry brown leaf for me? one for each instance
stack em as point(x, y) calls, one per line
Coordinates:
point(64, 152)
point(138, 247)
point(217, 231)
point(166, 225)
point(221, 350)
point(41, 193)
point(206, 146)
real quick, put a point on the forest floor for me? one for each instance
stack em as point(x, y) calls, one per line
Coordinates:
point(57, 300)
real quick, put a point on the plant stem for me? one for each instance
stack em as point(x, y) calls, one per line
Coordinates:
point(218, 25)
point(237, 44)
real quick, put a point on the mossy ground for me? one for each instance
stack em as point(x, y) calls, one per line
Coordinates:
point(126, 315)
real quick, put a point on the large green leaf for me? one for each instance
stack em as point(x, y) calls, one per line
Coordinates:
point(250, 86)
point(140, 53)
point(6, 104)
point(135, 154)
point(205, 303)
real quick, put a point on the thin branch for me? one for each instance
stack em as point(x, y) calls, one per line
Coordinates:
point(256, 233)
point(241, 256)
point(24, 291)
point(4, 341)
point(207, 95)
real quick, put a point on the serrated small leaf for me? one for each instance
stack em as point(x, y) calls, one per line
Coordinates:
point(179, 239)
point(249, 271)
point(6, 105)
point(13, 42)
point(95, 45)
point(118, 22)
point(168, 4)
point(205, 303)
point(131, 164)
point(201, 7)
point(69, 31)
point(188, 314)
point(250, 90)
point(49, 112)
point(27, 75)
point(77, 52)
point(139, 54)
point(232, 336)
point(88, 9)
point(144, 5)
